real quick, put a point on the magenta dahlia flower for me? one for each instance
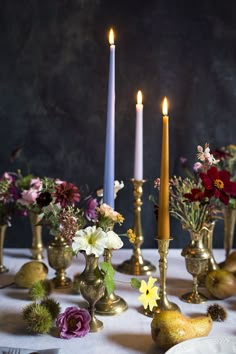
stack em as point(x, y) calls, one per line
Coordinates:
point(66, 194)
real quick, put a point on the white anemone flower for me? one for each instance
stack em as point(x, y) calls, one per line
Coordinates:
point(92, 240)
point(114, 241)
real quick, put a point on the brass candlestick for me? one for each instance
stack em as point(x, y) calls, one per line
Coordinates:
point(136, 265)
point(163, 304)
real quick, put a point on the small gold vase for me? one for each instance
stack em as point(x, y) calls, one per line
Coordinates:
point(196, 259)
point(229, 227)
point(3, 229)
point(92, 288)
point(37, 244)
point(60, 257)
point(110, 304)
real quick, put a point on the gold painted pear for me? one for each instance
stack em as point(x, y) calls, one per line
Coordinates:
point(171, 327)
point(29, 273)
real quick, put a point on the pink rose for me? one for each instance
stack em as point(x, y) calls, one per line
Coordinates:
point(28, 196)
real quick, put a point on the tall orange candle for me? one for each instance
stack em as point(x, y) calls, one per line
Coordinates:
point(163, 210)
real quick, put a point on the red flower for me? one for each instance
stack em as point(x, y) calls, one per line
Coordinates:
point(196, 195)
point(218, 184)
point(67, 194)
point(221, 154)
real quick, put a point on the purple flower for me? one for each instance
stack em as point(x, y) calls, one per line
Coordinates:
point(90, 209)
point(74, 322)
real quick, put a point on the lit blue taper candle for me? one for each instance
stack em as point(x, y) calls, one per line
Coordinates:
point(109, 171)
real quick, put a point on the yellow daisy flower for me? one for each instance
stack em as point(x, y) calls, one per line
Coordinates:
point(149, 293)
point(131, 235)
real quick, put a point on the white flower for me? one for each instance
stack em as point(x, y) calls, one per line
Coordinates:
point(92, 240)
point(117, 187)
point(205, 156)
point(114, 241)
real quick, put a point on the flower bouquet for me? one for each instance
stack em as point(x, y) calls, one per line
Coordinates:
point(37, 193)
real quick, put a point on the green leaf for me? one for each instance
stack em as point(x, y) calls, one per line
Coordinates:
point(109, 276)
point(135, 283)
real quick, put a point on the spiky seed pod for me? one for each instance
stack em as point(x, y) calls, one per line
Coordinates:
point(38, 318)
point(27, 310)
point(217, 312)
point(52, 306)
point(40, 290)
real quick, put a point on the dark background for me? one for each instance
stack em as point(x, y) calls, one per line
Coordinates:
point(54, 59)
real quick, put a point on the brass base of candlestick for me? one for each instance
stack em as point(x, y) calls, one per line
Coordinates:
point(110, 305)
point(194, 298)
point(163, 304)
point(136, 265)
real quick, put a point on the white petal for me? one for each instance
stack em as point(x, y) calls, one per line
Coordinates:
point(114, 241)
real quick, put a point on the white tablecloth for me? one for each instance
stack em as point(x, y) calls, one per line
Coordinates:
point(128, 332)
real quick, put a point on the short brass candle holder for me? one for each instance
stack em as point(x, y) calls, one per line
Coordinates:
point(136, 265)
point(163, 304)
point(110, 304)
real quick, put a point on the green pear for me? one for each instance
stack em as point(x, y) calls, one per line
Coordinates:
point(29, 273)
point(171, 327)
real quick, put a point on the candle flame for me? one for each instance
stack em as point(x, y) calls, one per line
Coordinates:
point(165, 107)
point(139, 97)
point(111, 37)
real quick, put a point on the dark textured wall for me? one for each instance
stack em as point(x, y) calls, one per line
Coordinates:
point(53, 89)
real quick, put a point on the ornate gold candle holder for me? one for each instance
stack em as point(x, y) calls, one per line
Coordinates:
point(136, 265)
point(163, 304)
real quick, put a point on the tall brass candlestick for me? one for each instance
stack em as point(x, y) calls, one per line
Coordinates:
point(163, 304)
point(136, 265)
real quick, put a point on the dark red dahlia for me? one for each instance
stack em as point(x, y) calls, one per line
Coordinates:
point(196, 195)
point(221, 154)
point(217, 184)
point(67, 194)
point(44, 199)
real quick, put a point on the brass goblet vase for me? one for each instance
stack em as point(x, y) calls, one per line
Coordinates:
point(60, 257)
point(196, 259)
point(91, 282)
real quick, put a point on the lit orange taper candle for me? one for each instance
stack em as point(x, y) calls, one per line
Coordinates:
point(163, 210)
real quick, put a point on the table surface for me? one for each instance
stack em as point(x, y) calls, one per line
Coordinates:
point(128, 332)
